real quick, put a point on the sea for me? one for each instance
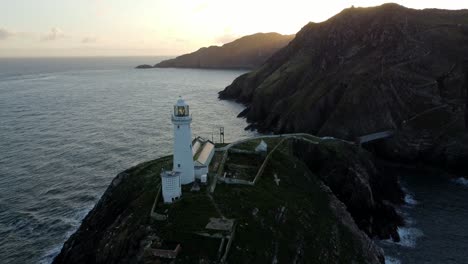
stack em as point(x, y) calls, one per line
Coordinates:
point(69, 125)
point(436, 216)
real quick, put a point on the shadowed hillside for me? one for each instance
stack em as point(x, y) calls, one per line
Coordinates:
point(367, 70)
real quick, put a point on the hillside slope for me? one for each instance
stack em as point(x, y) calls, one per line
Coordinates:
point(244, 53)
point(367, 70)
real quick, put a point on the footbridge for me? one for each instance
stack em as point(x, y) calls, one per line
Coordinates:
point(374, 136)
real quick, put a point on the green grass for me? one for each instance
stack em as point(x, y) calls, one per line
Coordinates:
point(186, 217)
point(248, 145)
point(308, 223)
point(245, 159)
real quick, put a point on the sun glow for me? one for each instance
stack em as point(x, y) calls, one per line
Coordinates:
point(156, 27)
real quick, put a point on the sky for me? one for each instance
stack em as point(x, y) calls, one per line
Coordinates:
point(44, 28)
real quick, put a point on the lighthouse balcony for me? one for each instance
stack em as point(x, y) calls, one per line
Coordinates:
point(181, 119)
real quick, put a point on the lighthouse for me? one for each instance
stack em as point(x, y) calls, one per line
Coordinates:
point(183, 159)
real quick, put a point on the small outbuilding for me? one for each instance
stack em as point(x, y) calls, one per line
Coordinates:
point(262, 147)
point(171, 188)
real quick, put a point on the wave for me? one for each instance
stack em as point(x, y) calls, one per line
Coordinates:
point(409, 236)
point(409, 197)
point(78, 217)
point(410, 200)
point(391, 260)
point(32, 77)
point(461, 181)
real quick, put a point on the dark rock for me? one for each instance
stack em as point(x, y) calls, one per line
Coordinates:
point(144, 66)
point(352, 176)
point(113, 229)
point(243, 113)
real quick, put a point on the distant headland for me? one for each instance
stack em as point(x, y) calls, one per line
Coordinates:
point(246, 52)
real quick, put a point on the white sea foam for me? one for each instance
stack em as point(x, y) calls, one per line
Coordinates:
point(461, 181)
point(409, 236)
point(391, 260)
point(409, 199)
point(49, 255)
point(29, 78)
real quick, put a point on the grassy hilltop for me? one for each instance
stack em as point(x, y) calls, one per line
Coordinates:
point(289, 214)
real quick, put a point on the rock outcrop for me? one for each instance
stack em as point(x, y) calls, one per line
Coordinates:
point(144, 66)
point(367, 70)
point(244, 53)
point(114, 229)
point(369, 195)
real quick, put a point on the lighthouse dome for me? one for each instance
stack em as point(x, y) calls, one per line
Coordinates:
point(181, 109)
point(180, 102)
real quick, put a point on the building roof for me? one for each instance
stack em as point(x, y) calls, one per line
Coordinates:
point(202, 150)
point(262, 147)
point(181, 102)
point(169, 174)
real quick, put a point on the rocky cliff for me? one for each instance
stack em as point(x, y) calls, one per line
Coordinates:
point(244, 53)
point(302, 210)
point(367, 70)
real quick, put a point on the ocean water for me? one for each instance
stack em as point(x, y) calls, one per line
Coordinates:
point(69, 125)
point(436, 215)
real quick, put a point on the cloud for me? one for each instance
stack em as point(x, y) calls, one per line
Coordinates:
point(89, 40)
point(53, 34)
point(4, 34)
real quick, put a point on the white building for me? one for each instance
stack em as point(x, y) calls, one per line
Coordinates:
point(171, 189)
point(262, 147)
point(191, 158)
point(202, 151)
point(183, 159)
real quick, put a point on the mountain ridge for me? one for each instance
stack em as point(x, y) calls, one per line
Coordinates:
point(246, 52)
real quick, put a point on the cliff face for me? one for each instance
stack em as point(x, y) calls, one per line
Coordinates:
point(113, 230)
point(366, 70)
point(247, 52)
point(350, 173)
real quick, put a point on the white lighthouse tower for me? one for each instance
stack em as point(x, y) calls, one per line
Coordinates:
point(183, 159)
